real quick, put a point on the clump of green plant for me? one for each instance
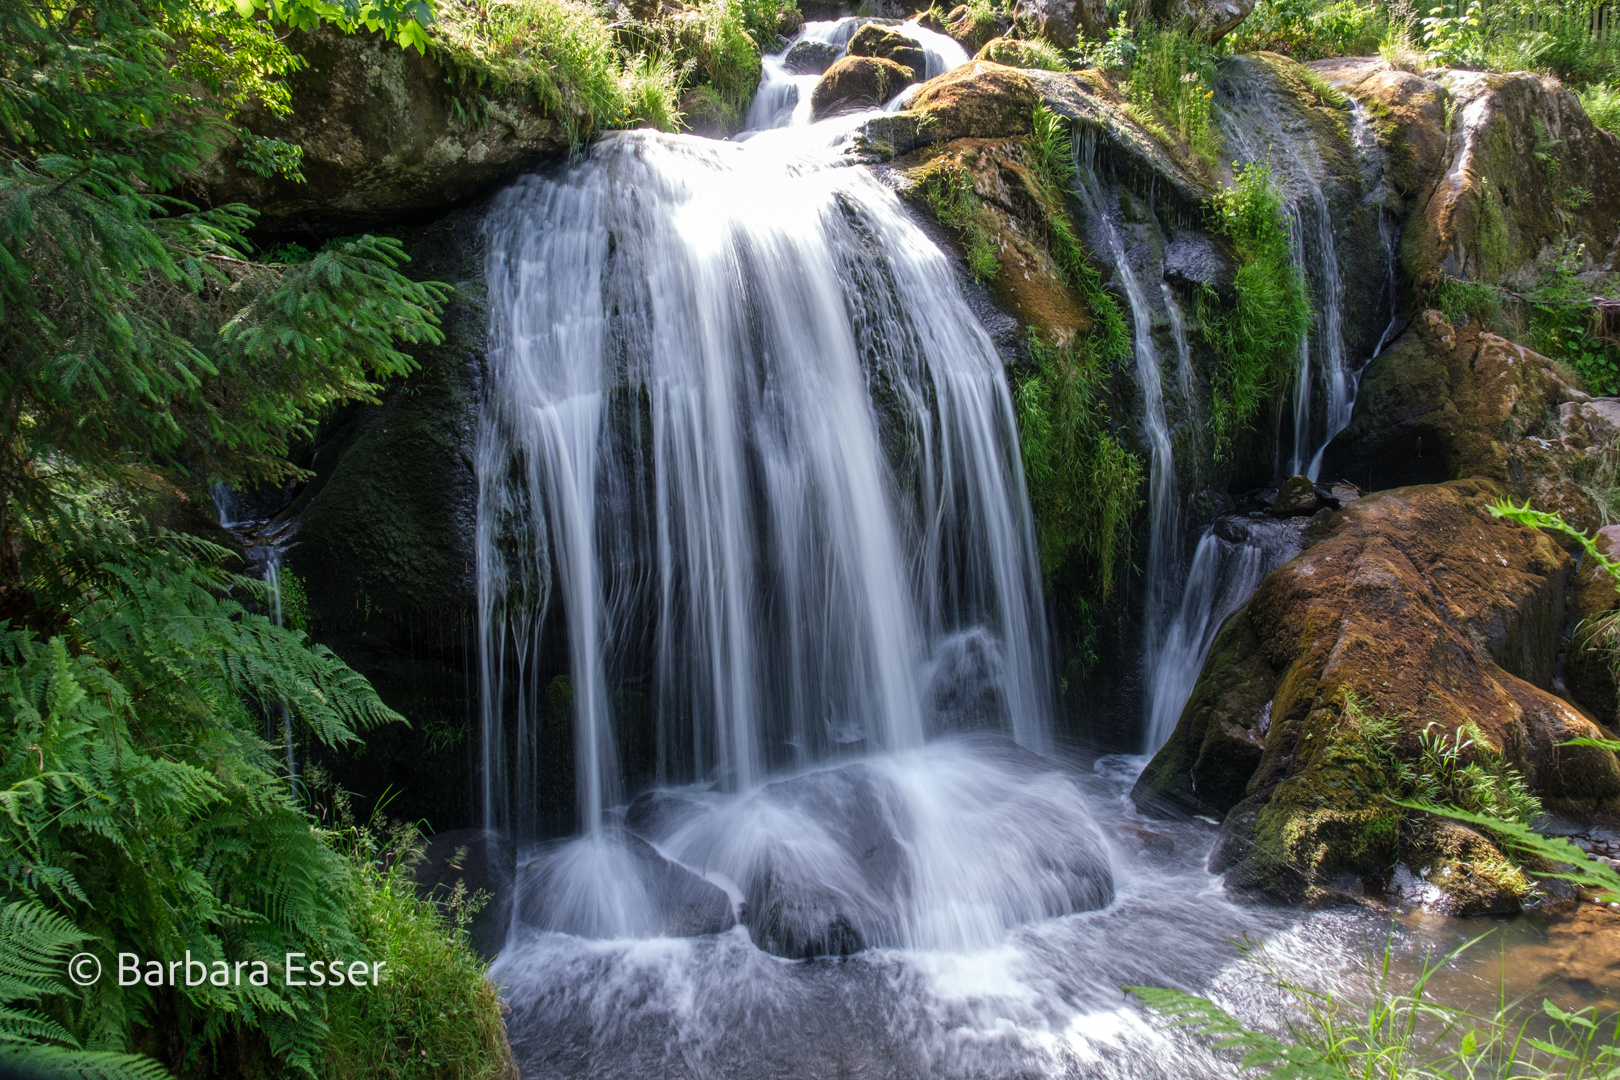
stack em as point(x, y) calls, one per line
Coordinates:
point(435, 1016)
point(564, 53)
point(1461, 769)
point(1461, 300)
point(1024, 54)
point(1084, 486)
point(1257, 336)
point(1115, 52)
point(1602, 105)
point(1564, 322)
point(1401, 1031)
point(715, 48)
point(1170, 90)
point(1601, 634)
point(946, 188)
point(1309, 29)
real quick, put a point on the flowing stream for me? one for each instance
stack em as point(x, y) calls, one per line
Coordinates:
point(750, 492)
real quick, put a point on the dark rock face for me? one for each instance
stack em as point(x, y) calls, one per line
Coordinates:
point(1063, 22)
point(811, 57)
point(385, 139)
point(1591, 682)
point(886, 44)
point(1194, 259)
point(1421, 607)
point(858, 82)
point(803, 908)
point(385, 547)
point(479, 861)
point(656, 897)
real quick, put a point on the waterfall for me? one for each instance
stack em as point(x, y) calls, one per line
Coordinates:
point(1164, 500)
point(1235, 554)
point(742, 426)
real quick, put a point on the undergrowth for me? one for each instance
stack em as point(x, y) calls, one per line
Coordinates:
point(1170, 88)
point(947, 190)
point(1024, 54)
point(1307, 30)
point(1257, 336)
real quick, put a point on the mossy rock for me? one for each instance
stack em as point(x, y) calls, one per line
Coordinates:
point(978, 100)
point(885, 44)
point(1450, 401)
point(388, 136)
point(858, 82)
point(1416, 606)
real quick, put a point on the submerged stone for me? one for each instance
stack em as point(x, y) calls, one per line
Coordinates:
point(811, 57)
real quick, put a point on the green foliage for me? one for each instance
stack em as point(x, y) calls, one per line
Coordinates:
point(405, 22)
point(1024, 54)
point(1084, 486)
point(1402, 1032)
point(1309, 29)
point(947, 190)
point(1112, 53)
point(715, 46)
point(1456, 39)
point(1257, 336)
point(436, 1017)
point(1461, 299)
point(1170, 87)
point(1579, 867)
point(1462, 770)
point(1602, 105)
point(564, 53)
point(1564, 322)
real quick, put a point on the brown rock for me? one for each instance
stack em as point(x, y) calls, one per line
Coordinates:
point(966, 29)
point(1448, 402)
point(1063, 22)
point(886, 44)
point(978, 100)
point(1206, 20)
point(1422, 607)
point(1408, 111)
point(858, 82)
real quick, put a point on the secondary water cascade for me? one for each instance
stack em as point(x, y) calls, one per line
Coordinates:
point(752, 526)
point(1235, 554)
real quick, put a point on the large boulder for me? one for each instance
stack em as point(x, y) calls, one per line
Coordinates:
point(885, 44)
point(858, 82)
point(387, 134)
point(811, 57)
point(978, 100)
point(1206, 20)
point(1504, 168)
point(618, 885)
point(832, 893)
point(1449, 402)
point(1063, 22)
point(1414, 607)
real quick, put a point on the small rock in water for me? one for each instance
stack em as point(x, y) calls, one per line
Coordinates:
point(811, 58)
point(1296, 498)
point(619, 886)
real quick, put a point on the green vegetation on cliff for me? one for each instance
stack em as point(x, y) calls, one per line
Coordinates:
point(145, 354)
point(1256, 337)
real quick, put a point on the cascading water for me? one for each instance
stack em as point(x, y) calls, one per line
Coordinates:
point(741, 424)
point(1234, 555)
point(1164, 499)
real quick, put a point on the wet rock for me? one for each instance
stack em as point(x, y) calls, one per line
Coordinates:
point(858, 82)
point(1520, 170)
point(655, 814)
point(1451, 401)
point(1206, 20)
point(978, 100)
point(649, 895)
point(1063, 22)
point(1195, 260)
point(885, 44)
point(845, 895)
point(1590, 424)
point(385, 139)
point(1146, 842)
point(1423, 608)
point(479, 861)
point(811, 57)
point(1460, 872)
point(1295, 498)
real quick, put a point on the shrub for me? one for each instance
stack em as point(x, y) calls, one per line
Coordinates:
point(1602, 104)
point(1563, 321)
point(1255, 338)
point(1309, 30)
point(434, 1016)
point(1171, 93)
